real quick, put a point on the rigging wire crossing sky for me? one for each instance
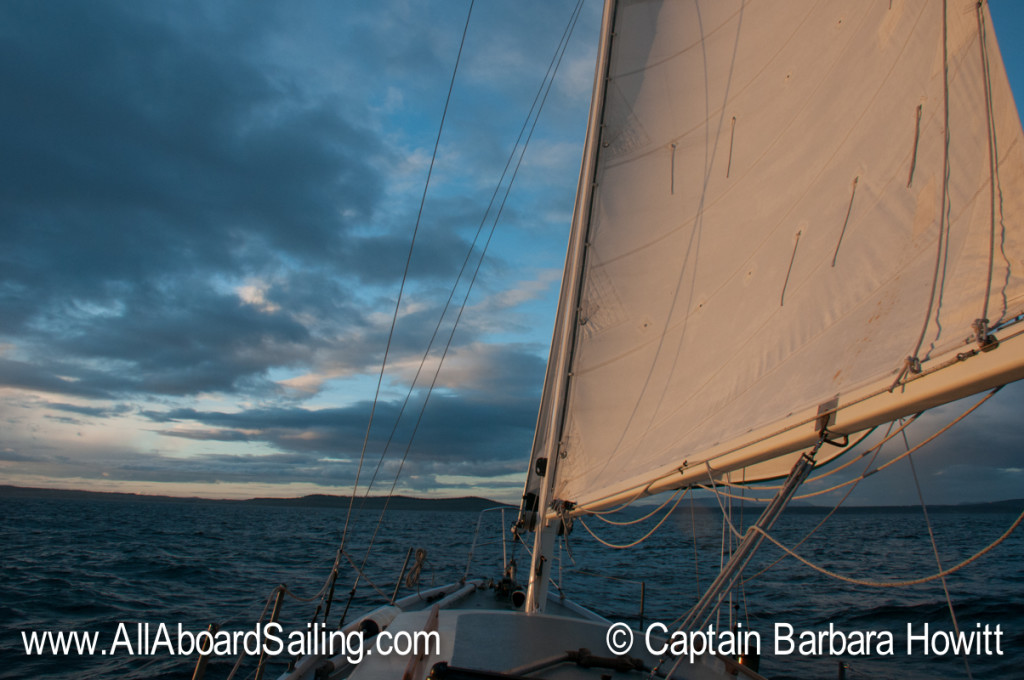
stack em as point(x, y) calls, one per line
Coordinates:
point(205, 215)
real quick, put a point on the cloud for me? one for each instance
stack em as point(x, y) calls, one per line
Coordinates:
point(28, 376)
point(457, 429)
point(91, 411)
point(205, 212)
point(15, 457)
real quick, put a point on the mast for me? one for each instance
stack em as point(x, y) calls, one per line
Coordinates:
point(550, 420)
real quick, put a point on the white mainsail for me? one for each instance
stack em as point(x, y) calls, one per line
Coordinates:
point(764, 233)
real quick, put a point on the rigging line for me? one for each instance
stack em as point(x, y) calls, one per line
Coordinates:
point(776, 487)
point(925, 372)
point(242, 654)
point(877, 450)
point(701, 612)
point(648, 515)
point(572, 22)
point(611, 511)
point(945, 190)
point(729, 537)
point(935, 551)
point(366, 578)
point(291, 594)
point(898, 584)
point(469, 253)
point(693, 533)
point(405, 275)
point(924, 443)
point(726, 494)
point(562, 47)
point(895, 460)
point(854, 459)
point(743, 591)
point(884, 584)
point(989, 129)
point(713, 489)
point(639, 540)
point(996, 184)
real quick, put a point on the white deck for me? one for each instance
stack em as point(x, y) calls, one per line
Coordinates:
point(480, 630)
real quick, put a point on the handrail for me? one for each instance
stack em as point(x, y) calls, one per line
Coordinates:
point(476, 534)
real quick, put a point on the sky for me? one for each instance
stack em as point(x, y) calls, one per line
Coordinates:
point(205, 213)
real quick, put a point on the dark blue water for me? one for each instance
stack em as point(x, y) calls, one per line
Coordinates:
point(88, 565)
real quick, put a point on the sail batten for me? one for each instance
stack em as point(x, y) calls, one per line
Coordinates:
point(764, 229)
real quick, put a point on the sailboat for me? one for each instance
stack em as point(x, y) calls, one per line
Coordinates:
point(795, 222)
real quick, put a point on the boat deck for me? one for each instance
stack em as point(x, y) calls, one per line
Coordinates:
point(481, 636)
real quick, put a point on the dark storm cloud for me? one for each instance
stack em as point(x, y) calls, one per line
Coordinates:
point(158, 156)
point(153, 152)
point(473, 432)
point(189, 340)
point(92, 411)
point(177, 342)
point(52, 379)
point(148, 132)
point(983, 439)
point(208, 435)
point(456, 429)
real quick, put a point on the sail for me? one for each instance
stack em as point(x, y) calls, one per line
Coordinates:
point(780, 223)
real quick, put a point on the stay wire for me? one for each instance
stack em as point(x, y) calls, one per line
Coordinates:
point(883, 584)
point(880, 584)
point(398, 304)
point(405, 276)
point(877, 449)
point(935, 551)
point(904, 583)
point(895, 460)
point(547, 88)
point(465, 264)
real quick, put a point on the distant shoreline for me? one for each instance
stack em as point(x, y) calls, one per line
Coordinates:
point(460, 504)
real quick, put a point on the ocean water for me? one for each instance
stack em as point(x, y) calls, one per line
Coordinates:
point(89, 565)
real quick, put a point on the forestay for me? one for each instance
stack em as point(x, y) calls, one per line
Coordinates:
point(764, 237)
